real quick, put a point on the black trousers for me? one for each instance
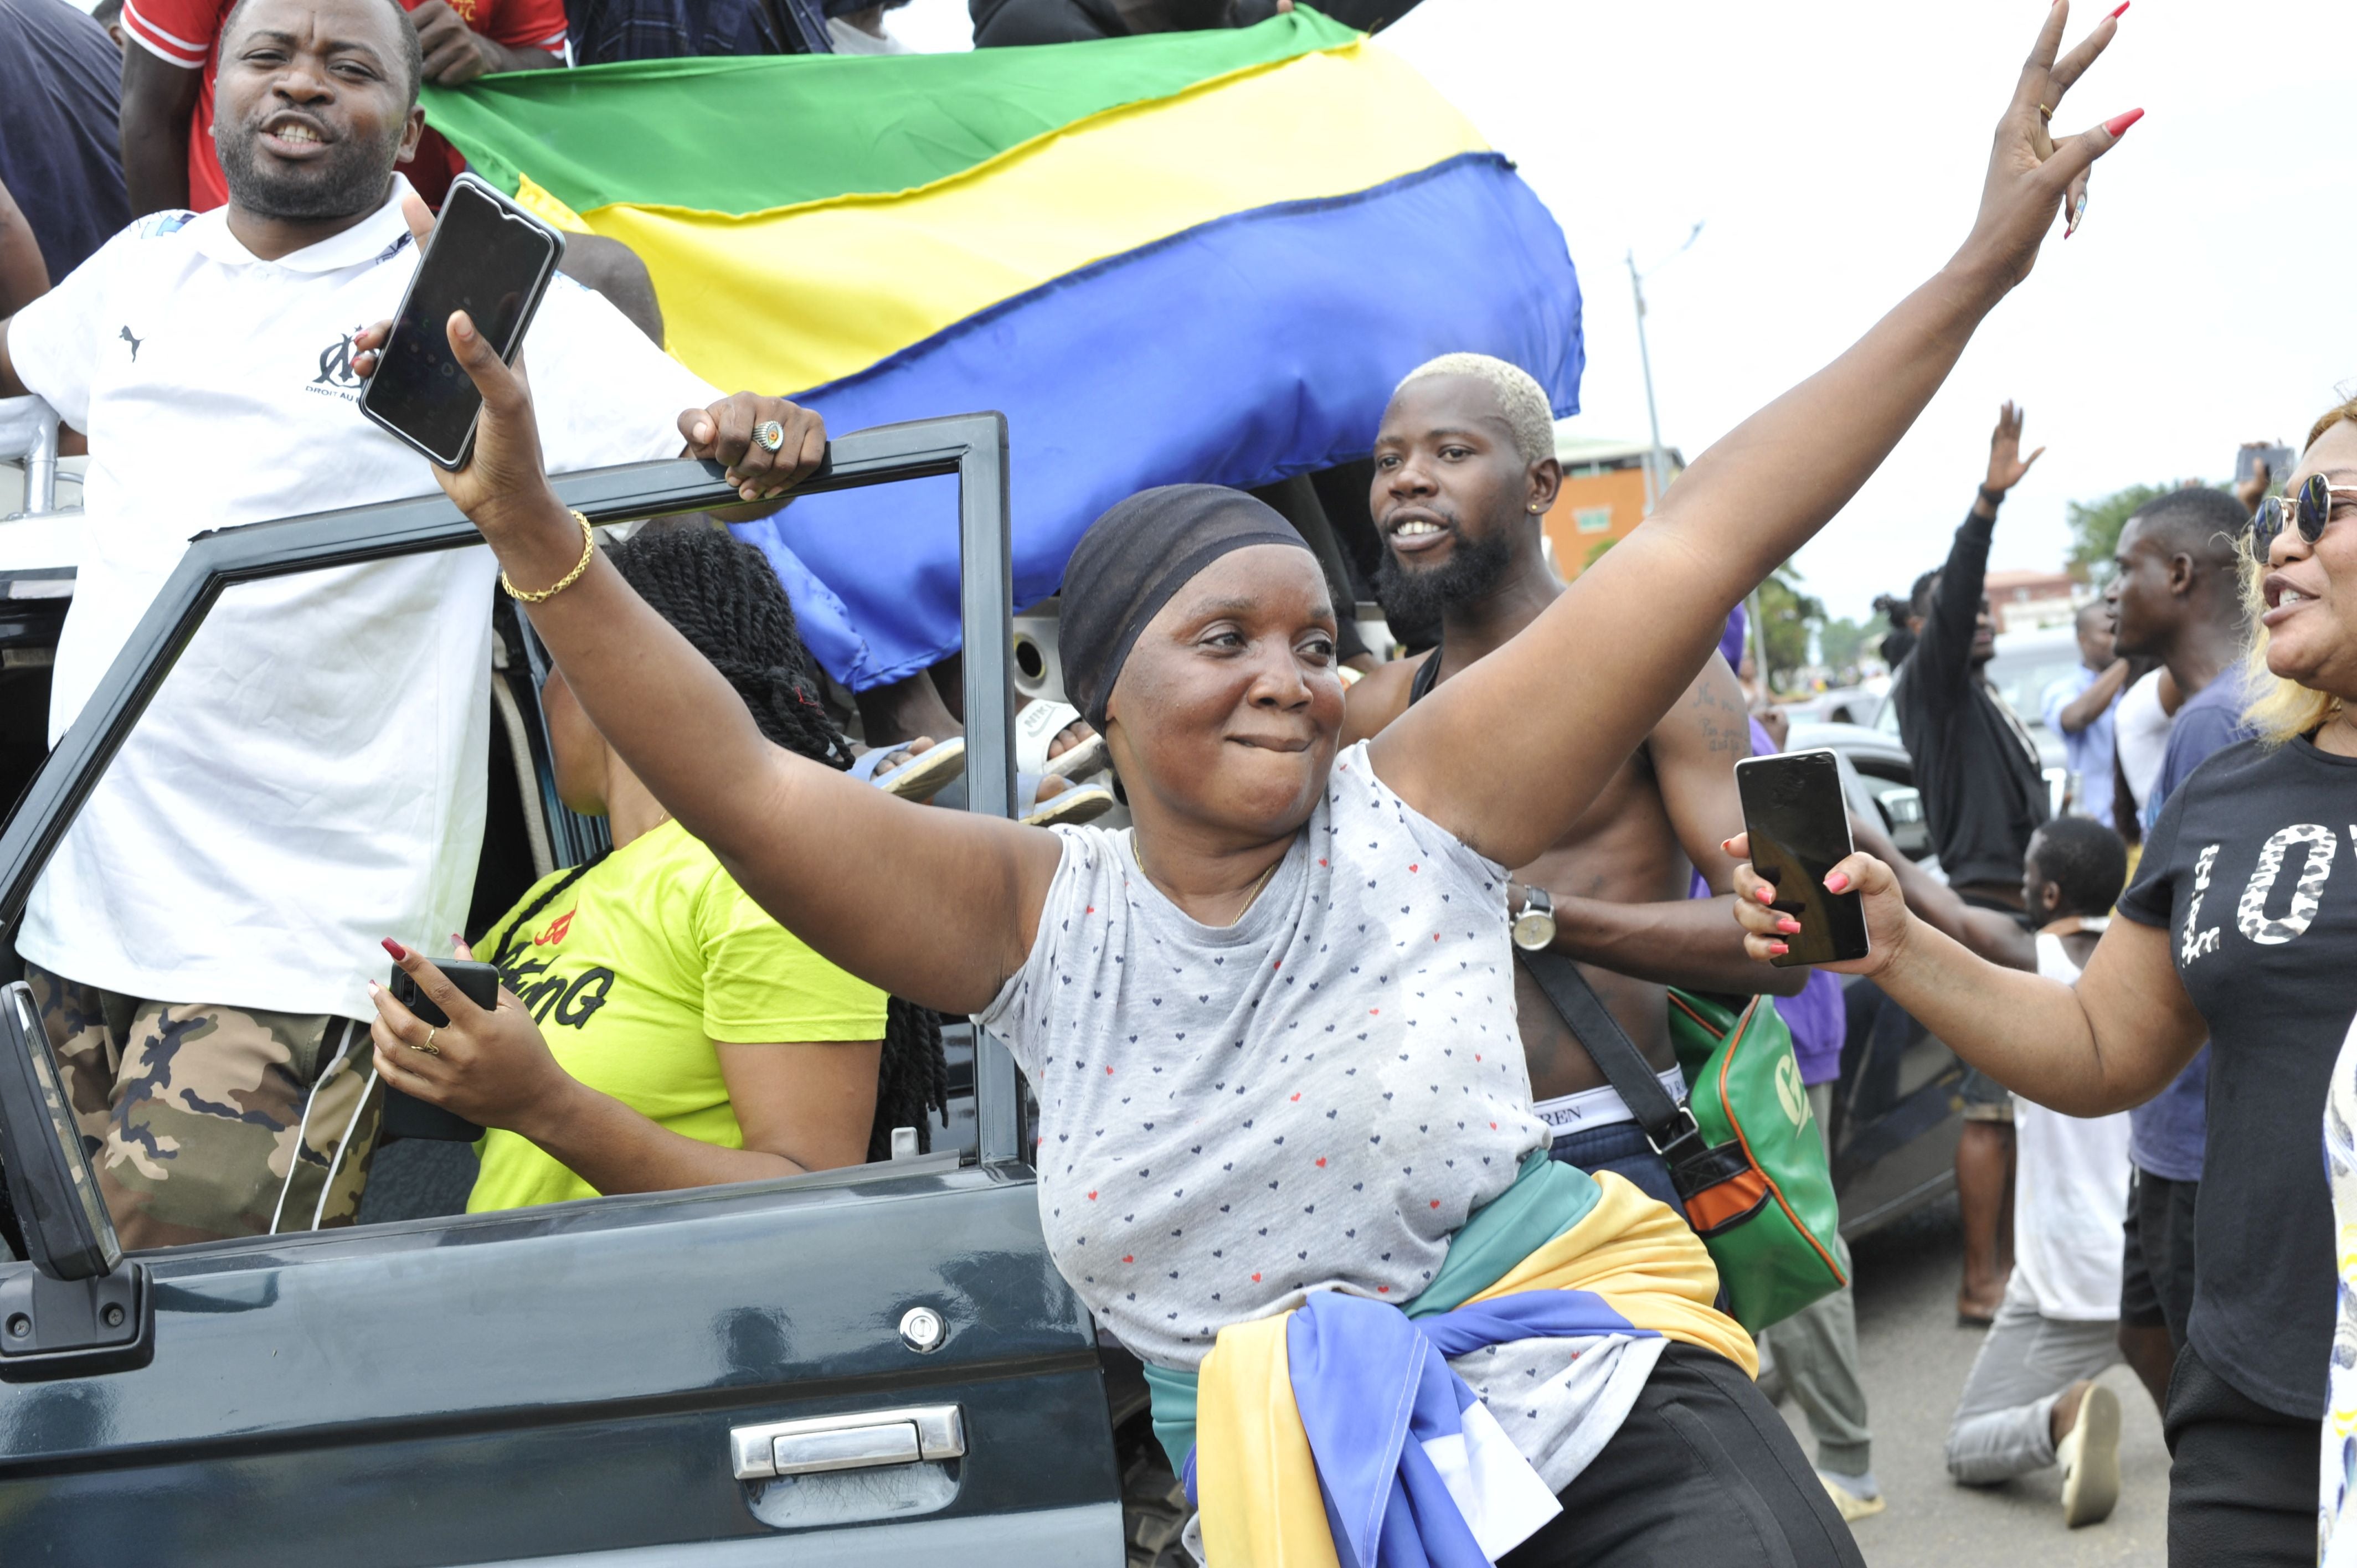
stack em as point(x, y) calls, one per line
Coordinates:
point(1703, 1472)
point(2242, 1477)
point(2157, 1271)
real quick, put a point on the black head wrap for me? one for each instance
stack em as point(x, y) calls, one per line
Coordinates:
point(1132, 560)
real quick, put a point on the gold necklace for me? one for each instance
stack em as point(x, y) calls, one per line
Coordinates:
point(1259, 883)
point(1250, 895)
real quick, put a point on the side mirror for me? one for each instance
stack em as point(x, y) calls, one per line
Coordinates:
point(78, 1308)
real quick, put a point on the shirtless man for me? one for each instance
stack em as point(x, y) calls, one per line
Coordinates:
point(1465, 467)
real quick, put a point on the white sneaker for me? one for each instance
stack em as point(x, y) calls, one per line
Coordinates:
point(2090, 1456)
point(1855, 1497)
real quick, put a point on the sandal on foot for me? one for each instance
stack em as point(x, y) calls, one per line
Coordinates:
point(2089, 1454)
point(1074, 804)
point(918, 777)
point(1855, 1497)
point(1038, 725)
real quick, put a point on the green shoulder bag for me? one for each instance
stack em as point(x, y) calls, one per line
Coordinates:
point(1743, 1149)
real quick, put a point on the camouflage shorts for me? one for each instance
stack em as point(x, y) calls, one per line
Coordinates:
point(195, 1113)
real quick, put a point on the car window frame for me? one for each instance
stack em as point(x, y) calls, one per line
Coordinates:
point(970, 447)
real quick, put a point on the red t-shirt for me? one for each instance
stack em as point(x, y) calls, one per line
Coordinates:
point(187, 34)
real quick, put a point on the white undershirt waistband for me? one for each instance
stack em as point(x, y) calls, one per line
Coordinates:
point(1599, 1107)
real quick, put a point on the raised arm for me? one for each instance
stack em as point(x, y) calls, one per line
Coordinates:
point(810, 845)
point(1507, 755)
point(1941, 662)
point(2113, 1040)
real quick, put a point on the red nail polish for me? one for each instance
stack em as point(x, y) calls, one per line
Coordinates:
point(2116, 16)
point(2120, 123)
point(1838, 883)
point(1789, 925)
point(396, 950)
point(1765, 894)
point(1777, 949)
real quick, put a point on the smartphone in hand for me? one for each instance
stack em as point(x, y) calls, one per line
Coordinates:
point(405, 1116)
point(1798, 819)
point(2280, 462)
point(490, 258)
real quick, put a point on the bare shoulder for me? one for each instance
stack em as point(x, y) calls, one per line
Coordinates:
point(1380, 697)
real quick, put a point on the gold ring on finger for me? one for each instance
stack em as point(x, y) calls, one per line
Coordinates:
point(2044, 113)
point(429, 1047)
point(769, 435)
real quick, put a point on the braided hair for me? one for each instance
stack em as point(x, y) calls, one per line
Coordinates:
point(720, 595)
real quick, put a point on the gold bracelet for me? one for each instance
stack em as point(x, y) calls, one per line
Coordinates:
point(589, 550)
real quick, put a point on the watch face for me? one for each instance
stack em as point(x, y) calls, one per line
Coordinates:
point(1533, 930)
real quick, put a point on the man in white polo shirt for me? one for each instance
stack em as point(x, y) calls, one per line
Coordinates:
point(312, 774)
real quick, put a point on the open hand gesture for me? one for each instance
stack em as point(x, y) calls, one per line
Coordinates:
point(2031, 172)
point(2007, 464)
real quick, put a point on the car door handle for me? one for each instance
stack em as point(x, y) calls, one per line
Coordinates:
point(849, 1441)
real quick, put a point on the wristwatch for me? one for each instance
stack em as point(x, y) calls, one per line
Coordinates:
point(1534, 921)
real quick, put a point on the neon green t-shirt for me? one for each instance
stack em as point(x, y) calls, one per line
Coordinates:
point(633, 974)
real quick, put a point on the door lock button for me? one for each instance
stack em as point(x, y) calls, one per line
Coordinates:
point(922, 1330)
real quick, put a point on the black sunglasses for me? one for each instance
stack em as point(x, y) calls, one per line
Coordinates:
point(2310, 506)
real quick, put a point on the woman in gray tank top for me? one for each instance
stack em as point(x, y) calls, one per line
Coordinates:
point(1271, 1027)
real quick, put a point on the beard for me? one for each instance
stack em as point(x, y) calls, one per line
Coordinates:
point(1414, 597)
point(352, 178)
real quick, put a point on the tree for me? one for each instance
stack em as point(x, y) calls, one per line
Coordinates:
point(1786, 613)
point(2095, 529)
point(1845, 641)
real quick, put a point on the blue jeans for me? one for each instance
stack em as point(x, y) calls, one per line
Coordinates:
point(1620, 1148)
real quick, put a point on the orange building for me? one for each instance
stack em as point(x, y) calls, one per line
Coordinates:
point(1603, 496)
point(2025, 600)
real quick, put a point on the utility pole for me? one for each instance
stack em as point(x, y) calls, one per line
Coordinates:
point(1653, 454)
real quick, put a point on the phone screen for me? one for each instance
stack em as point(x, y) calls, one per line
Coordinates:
point(1795, 810)
point(488, 260)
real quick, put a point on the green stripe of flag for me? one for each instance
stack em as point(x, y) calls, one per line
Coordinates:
point(747, 136)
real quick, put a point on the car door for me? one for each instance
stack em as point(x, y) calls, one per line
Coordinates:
point(850, 1367)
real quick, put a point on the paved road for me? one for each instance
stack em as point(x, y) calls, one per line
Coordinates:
point(1913, 1357)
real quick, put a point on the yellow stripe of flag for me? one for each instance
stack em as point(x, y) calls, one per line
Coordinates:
point(806, 295)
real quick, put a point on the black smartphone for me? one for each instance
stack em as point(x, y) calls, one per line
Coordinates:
point(405, 1116)
point(1798, 818)
point(2280, 462)
point(492, 260)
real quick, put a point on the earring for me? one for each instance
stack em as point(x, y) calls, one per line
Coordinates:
point(1535, 508)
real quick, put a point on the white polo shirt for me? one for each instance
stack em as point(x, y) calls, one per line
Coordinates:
point(311, 777)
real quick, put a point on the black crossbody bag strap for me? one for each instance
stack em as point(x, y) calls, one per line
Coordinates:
point(1668, 1125)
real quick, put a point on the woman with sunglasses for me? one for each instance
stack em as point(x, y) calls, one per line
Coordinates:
point(2239, 928)
point(1271, 1027)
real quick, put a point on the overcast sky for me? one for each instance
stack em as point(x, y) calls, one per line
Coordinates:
point(1833, 151)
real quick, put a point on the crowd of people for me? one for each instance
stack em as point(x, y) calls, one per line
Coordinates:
point(2162, 1054)
point(1375, 1003)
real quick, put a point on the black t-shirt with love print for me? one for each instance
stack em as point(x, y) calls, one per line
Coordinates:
point(2252, 871)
